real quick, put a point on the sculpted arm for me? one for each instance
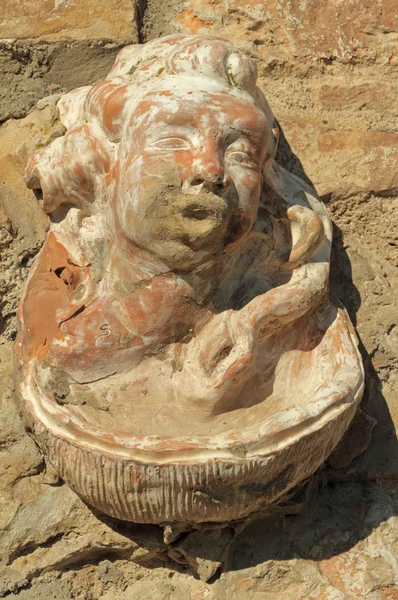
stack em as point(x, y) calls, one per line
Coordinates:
point(222, 356)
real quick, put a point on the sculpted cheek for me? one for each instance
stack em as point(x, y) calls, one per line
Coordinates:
point(123, 193)
point(139, 190)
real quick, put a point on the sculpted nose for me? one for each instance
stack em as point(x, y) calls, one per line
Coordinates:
point(208, 180)
point(208, 169)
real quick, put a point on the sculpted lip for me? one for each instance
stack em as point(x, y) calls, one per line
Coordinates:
point(197, 212)
point(215, 209)
point(206, 221)
point(213, 204)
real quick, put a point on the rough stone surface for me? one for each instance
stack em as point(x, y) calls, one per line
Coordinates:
point(204, 551)
point(359, 31)
point(59, 20)
point(22, 223)
point(156, 19)
point(29, 72)
point(53, 46)
point(346, 545)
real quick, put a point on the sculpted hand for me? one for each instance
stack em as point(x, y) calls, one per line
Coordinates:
point(218, 361)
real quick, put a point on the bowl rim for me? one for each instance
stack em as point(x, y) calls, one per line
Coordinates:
point(263, 439)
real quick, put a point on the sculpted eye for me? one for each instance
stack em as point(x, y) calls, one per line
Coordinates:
point(171, 143)
point(241, 158)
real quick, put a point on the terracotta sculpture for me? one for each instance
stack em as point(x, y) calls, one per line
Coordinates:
point(181, 360)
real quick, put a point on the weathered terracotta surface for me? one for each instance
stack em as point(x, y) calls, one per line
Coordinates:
point(181, 358)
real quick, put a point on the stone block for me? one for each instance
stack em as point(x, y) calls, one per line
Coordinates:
point(30, 71)
point(337, 30)
point(348, 161)
point(60, 20)
point(374, 95)
point(363, 160)
point(23, 225)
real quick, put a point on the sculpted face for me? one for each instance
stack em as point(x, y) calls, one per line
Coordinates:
point(190, 172)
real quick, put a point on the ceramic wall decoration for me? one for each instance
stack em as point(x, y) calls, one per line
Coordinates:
point(180, 358)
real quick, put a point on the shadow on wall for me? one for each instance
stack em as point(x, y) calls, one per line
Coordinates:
point(349, 502)
point(340, 506)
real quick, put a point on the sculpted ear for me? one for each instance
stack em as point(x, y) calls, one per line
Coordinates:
point(72, 169)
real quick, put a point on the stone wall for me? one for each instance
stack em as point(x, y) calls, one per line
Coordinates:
point(328, 69)
point(51, 46)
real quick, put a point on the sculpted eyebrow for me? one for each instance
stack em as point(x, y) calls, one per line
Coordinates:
point(165, 126)
point(253, 137)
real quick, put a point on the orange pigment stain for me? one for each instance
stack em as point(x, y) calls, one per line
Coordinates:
point(113, 107)
point(192, 22)
point(47, 292)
